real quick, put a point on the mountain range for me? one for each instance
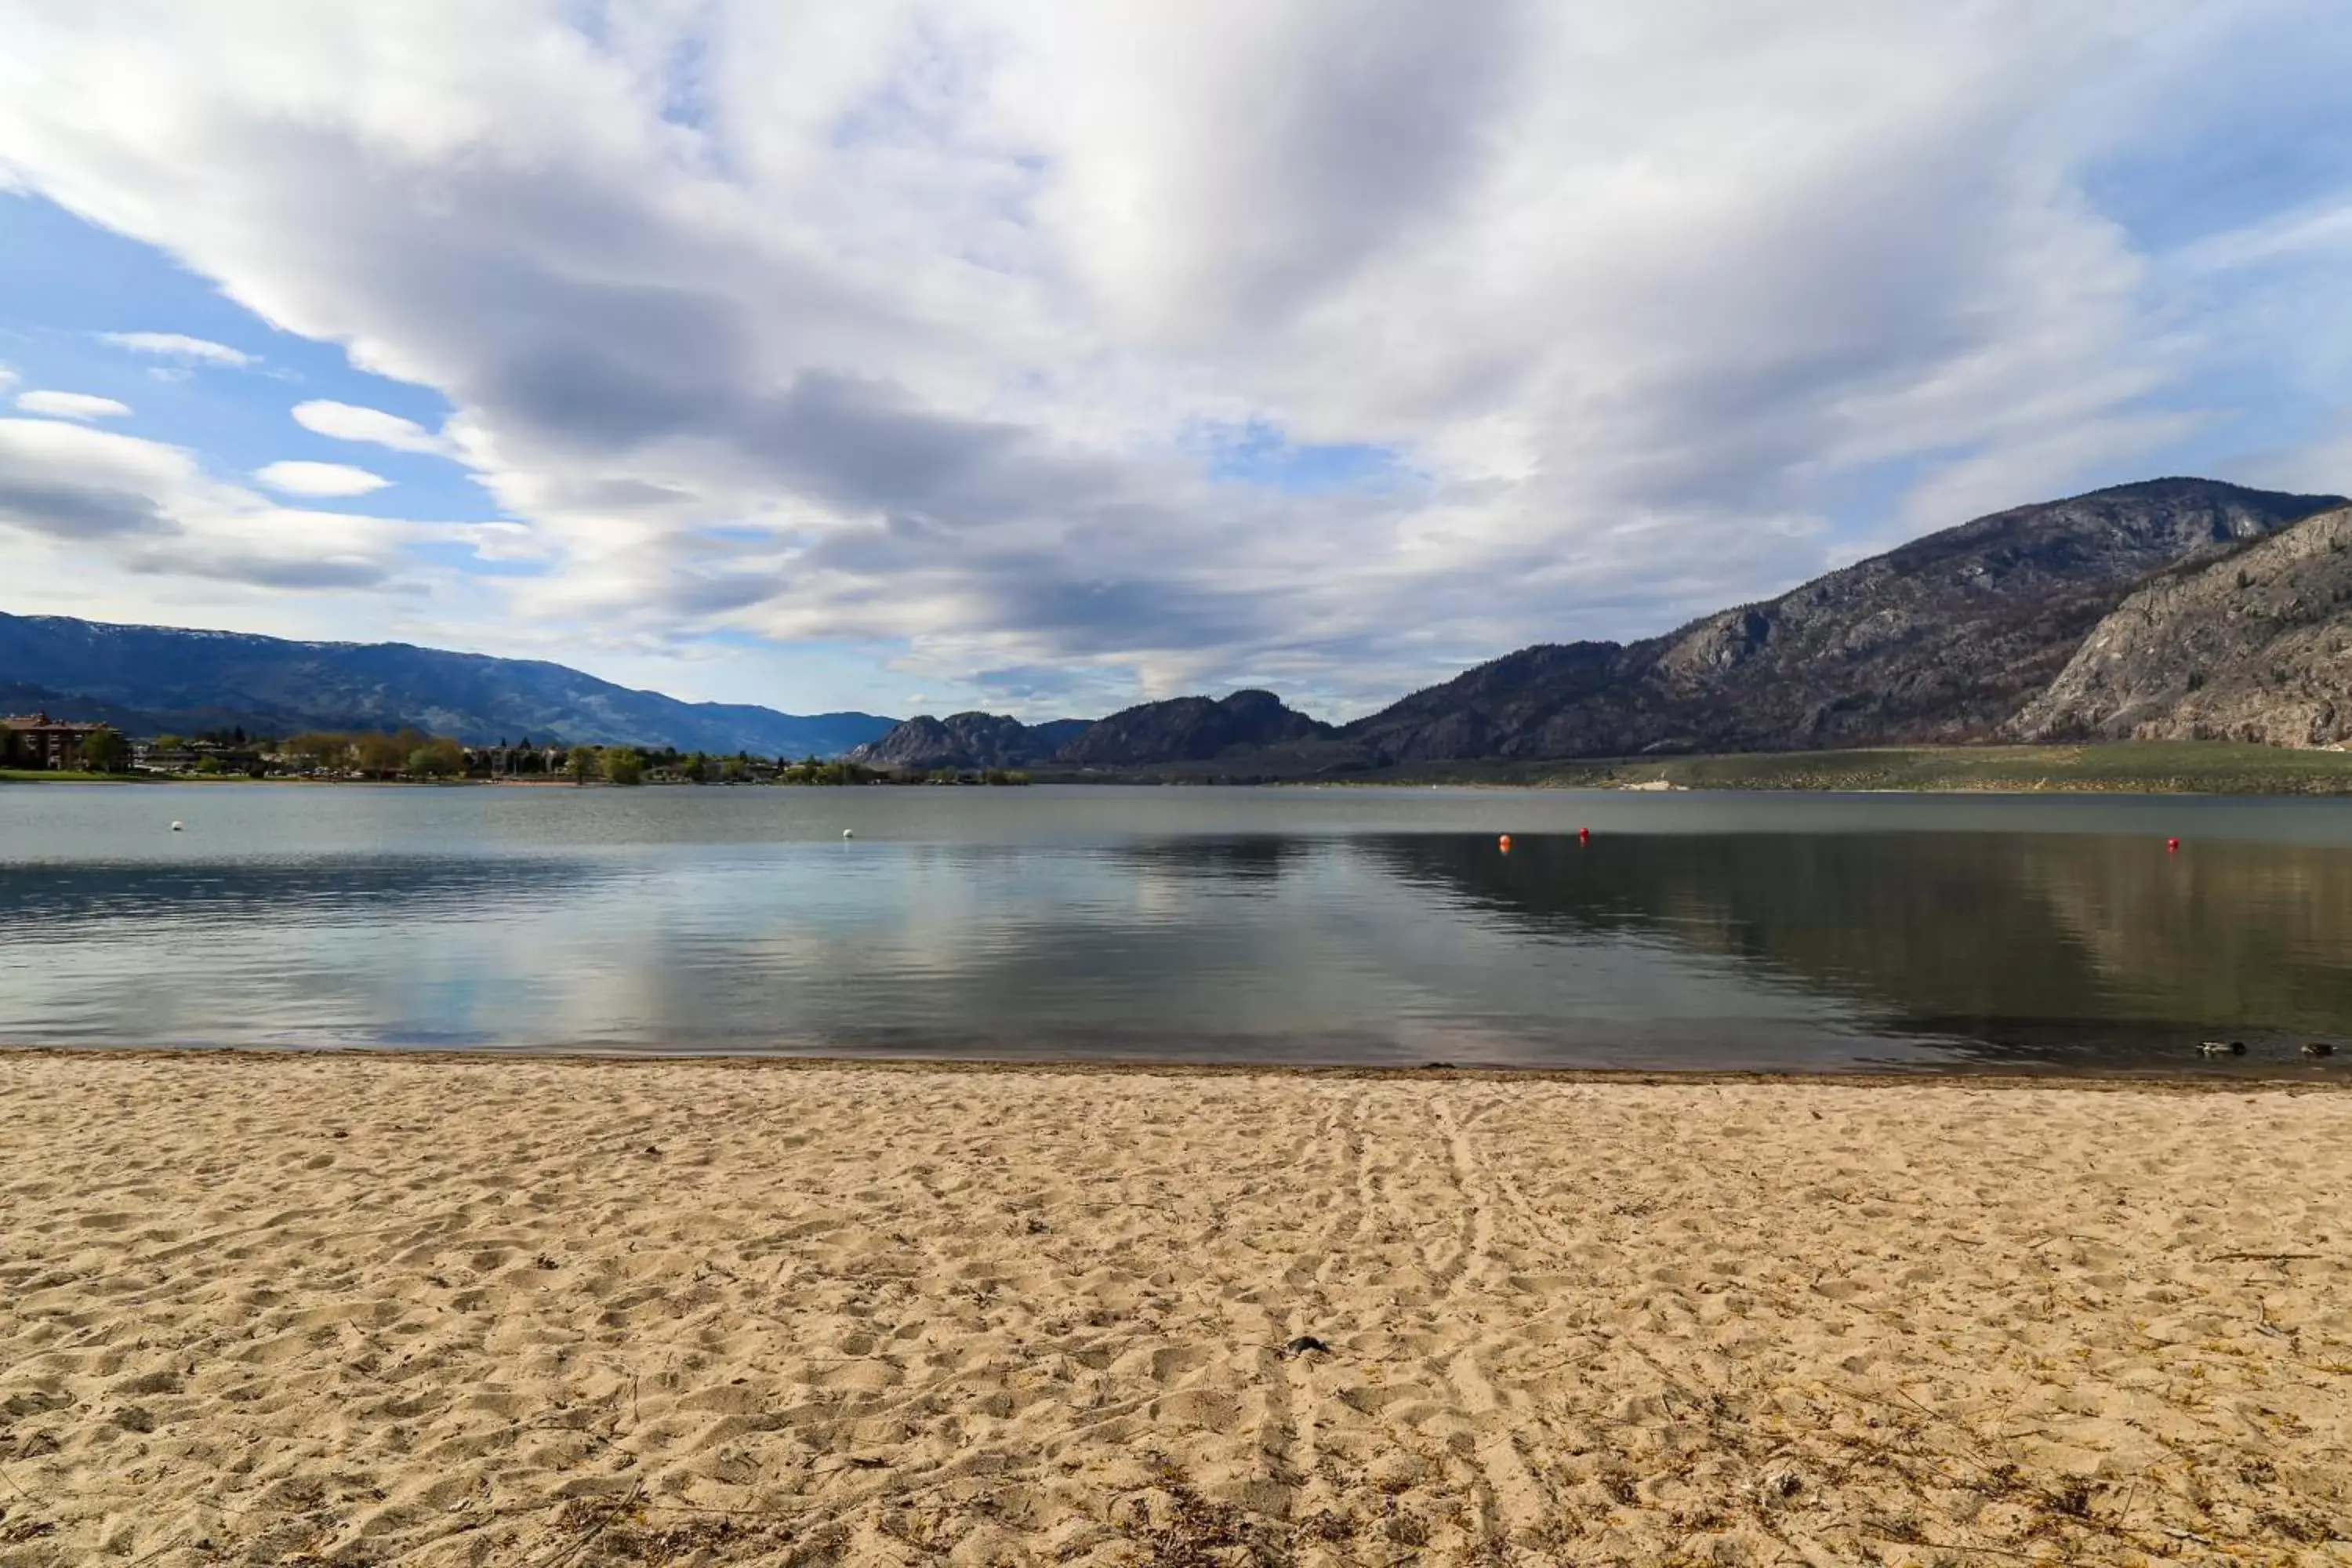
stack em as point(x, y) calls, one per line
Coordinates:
point(1942, 641)
point(1973, 634)
point(2172, 608)
point(146, 679)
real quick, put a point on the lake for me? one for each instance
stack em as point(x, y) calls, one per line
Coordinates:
point(1308, 925)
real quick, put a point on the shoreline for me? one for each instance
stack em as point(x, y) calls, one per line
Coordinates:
point(376, 1308)
point(2334, 1077)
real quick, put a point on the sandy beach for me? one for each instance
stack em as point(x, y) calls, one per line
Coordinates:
point(274, 1310)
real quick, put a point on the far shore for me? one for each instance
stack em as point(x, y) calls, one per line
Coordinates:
point(2114, 767)
point(331, 1308)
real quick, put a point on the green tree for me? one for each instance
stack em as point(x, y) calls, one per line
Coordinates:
point(625, 765)
point(317, 748)
point(735, 770)
point(441, 758)
point(104, 752)
point(381, 756)
point(582, 764)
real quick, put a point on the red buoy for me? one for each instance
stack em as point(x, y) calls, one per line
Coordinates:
point(2172, 843)
point(1584, 836)
point(1504, 844)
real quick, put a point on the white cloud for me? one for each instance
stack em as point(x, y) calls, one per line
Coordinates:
point(179, 345)
point(319, 478)
point(906, 320)
point(101, 504)
point(349, 422)
point(71, 405)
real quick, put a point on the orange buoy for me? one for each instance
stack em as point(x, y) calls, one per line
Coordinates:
point(1504, 844)
point(2172, 843)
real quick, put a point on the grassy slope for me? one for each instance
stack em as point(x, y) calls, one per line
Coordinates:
point(2208, 767)
point(46, 775)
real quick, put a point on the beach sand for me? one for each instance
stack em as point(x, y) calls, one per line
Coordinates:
point(363, 1310)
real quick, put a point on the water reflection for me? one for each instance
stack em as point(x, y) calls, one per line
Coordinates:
point(392, 925)
point(59, 904)
point(2027, 946)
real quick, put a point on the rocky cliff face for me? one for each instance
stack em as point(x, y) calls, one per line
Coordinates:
point(2256, 645)
point(1190, 729)
point(967, 740)
point(1939, 641)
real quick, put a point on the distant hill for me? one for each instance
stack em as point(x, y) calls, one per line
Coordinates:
point(2256, 645)
point(967, 740)
point(1939, 641)
point(1151, 735)
point(1190, 729)
point(167, 678)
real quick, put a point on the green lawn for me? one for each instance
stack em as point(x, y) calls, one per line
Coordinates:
point(46, 775)
point(2193, 767)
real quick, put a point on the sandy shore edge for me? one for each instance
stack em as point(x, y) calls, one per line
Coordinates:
point(2331, 1077)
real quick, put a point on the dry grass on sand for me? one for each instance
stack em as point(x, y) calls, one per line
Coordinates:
point(562, 1314)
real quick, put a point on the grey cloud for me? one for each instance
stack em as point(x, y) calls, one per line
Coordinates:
point(862, 446)
point(1370, 144)
point(598, 369)
point(1025, 683)
point(261, 572)
point(1054, 600)
point(80, 513)
point(624, 495)
point(616, 366)
point(718, 595)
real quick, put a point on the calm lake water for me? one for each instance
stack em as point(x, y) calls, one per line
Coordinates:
point(1315, 925)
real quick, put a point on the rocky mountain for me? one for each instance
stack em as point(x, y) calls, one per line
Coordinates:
point(1151, 735)
point(177, 679)
point(1941, 640)
point(1190, 729)
point(2256, 645)
point(967, 740)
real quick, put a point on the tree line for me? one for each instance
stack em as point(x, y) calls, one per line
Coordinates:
point(411, 753)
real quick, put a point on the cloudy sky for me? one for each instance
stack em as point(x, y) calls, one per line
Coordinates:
point(1046, 356)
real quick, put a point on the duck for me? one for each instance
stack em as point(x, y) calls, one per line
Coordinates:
point(2318, 1048)
point(2222, 1049)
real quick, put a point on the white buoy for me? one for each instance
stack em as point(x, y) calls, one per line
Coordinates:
point(175, 827)
point(849, 833)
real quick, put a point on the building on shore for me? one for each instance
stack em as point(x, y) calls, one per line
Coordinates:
point(198, 757)
point(41, 742)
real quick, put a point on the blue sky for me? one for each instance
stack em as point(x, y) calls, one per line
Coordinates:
point(921, 357)
point(67, 285)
